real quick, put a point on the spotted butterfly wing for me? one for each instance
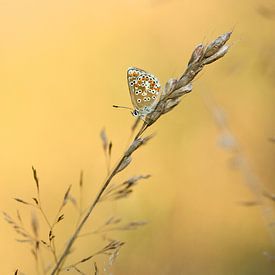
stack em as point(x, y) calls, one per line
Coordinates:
point(144, 90)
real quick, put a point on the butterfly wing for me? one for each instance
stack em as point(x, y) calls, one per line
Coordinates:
point(144, 90)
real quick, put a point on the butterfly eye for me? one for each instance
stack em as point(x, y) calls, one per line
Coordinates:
point(135, 113)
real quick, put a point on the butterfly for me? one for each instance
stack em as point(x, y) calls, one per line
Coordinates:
point(145, 91)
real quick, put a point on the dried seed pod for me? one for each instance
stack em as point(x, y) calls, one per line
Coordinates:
point(136, 144)
point(197, 54)
point(169, 87)
point(132, 181)
point(181, 91)
point(126, 161)
point(22, 201)
point(154, 116)
point(189, 74)
point(170, 104)
point(35, 178)
point(215, 45)
point(96, 269)
point(34, 224)
point(104, 139)
point(217, 55)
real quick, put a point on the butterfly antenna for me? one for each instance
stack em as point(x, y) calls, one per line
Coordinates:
point(122, 107)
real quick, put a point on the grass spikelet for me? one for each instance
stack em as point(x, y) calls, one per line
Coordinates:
point(34, 224)
point(35, 179)
point(125, 162)
point(96, 269)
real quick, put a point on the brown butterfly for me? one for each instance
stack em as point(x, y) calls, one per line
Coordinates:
point(144, 90)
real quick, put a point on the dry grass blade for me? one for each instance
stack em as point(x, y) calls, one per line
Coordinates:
point(181, 91)
point(34, 224)
point(109, 250)
point(35, 179)
point(79, 271)
point(24, 240)
point(81, 179)
point(36, 201)
point(87, 259)
point(222, 51)
point(132, 181)
point(197, 54)
point(113, 245)
point(19, 217)
point(45, 243)
point(51, 236)
point(170, 104)
point(22, 201)
point(217, 44)
point(249, 203)
point(104, 139)
point(110, 148)
point(132, 225)
point(19, 229)
point(113, 220)
point(66, 196)
point(103, 228)
point(242, 164)
point(201, 56)
point(107, 148)
point(122, 190)
point(73, 201)
point(114, 224)
point(171, 98)
point(136, 144)
point(126, 161)
point(60, 218)
point(112, 257)
point(96, 269)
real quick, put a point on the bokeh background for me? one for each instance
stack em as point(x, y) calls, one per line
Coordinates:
point(63, 64)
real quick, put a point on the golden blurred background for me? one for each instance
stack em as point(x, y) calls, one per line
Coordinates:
point(63, 65)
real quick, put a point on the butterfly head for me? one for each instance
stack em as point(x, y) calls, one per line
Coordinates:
point(136, 113)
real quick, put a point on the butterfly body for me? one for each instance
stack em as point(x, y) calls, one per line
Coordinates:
point(144, 91)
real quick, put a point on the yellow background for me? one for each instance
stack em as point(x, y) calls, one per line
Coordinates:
point(63, 64)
